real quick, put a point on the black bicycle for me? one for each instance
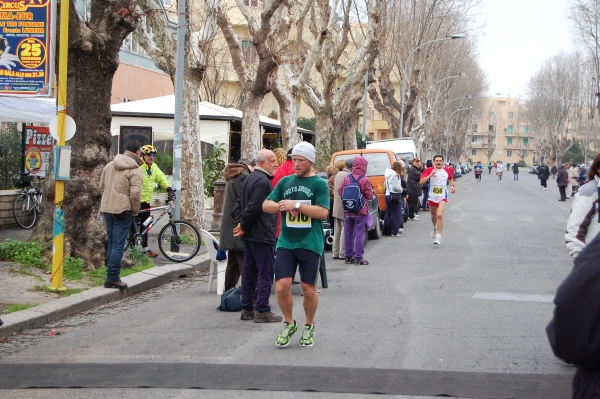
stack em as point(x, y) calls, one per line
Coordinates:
point(178, 241)
point(28, 205)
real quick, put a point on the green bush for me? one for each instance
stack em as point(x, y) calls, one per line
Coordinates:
point(213, 169)
point(73, 268)
point(25, 253)
point(522, 164)
point(164, 160)
point(10, 156)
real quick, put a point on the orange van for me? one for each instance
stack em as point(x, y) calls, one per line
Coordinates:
point(379, 160)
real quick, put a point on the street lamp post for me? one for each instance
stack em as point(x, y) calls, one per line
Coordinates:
point(447, 128)
point(460, 75)
point(457, 36)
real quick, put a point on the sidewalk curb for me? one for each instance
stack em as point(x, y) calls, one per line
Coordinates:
point(47, 312)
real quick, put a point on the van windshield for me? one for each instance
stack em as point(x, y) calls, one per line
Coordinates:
point(408, 156)
point(378, 162)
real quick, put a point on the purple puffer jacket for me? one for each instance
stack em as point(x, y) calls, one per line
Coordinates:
point(359, 168)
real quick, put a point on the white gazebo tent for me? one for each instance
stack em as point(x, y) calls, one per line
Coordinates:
point(27, 109)
point(157, 114)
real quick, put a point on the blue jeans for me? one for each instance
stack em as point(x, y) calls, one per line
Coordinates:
point(117, 228)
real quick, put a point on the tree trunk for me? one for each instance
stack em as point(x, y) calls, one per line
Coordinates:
point(288, 117)
point(251, 130)
point(93, 59)
point(324, 128)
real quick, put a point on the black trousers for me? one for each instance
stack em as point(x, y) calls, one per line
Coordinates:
point(563, 193)
point(413, 205)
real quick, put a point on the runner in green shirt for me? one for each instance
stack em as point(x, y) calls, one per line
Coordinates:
point(303, 200)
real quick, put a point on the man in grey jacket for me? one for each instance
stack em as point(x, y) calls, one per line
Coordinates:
point(121, 185)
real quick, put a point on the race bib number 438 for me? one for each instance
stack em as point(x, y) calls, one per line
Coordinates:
point(301, 221)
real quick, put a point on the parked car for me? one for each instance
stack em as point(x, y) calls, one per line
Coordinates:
point(533, 170)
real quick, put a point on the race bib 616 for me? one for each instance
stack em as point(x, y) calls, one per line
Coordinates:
point(300, 221)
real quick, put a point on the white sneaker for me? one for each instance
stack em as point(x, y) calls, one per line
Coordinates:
point(438, 239)
point(416, 217)
point(400, 231)
point(434, 232)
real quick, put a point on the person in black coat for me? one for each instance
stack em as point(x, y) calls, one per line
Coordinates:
point(543, 175)
point(414, 189)
point(553, 171)
point(573, 331)
point(562, 181)
point(257, 229)
point(515, 169)
point(235, 174)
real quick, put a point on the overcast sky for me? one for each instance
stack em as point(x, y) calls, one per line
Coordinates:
point(519, 35)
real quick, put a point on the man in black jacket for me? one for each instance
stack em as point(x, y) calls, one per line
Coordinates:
point(257, 229)
point(414, 189)
point(573, 331)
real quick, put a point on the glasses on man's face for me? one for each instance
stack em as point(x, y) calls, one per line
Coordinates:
point(150, 155)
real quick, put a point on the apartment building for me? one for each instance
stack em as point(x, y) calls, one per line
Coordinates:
point(500, 131)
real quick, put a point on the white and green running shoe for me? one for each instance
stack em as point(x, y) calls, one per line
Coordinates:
point(283, 339)
point(308, 335)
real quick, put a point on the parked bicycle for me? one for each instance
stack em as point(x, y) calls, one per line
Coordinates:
point(28, 205)
point(178, 241)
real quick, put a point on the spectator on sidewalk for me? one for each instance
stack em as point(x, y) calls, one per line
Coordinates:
point(573, 173)
point(257, 229)
point(554, 170)
point(120, 185)
point(414, 188)
point(394, 199)
point(425, 188)
point(543, 174)
point(584, 224)
point(235, 174)
point(283, 170)
point(562, 181)
point(515, 169)
point(338, 248)
point(355, 223)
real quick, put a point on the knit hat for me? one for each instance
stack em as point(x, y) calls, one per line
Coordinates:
point(305, 150)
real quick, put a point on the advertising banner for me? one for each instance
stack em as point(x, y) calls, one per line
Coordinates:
point(38, 146)
point(25, 47)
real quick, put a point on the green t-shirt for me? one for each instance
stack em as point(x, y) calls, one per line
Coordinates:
point(301, 231)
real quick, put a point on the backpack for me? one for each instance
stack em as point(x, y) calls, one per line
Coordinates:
point(230, 300)
point(353, 199)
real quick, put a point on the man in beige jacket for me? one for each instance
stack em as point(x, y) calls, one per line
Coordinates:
point(121, 185)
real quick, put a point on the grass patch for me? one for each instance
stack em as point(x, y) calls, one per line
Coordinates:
point(26, 272)
point(15, 307)
point(25, 253)
point(142, 261)
point(48, 290)
point(73, 268)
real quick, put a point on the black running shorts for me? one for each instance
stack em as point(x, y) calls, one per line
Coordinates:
point(289, 259)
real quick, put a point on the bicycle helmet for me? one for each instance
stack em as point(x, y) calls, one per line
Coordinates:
point(148, 149)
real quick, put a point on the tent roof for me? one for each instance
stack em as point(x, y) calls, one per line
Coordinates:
point(164, 107)
point(27, 109)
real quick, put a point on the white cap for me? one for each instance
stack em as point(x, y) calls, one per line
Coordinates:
point(306, 150)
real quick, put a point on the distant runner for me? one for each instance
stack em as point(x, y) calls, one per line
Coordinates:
point(438, 178)
point(499, 170)
point(478, 169)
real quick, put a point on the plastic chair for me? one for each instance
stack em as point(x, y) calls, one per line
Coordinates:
point(221, 265)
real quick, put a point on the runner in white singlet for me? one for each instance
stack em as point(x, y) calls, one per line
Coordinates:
point(438, 178)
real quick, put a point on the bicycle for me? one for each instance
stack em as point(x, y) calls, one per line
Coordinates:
point(28, 204)
point(178, 241)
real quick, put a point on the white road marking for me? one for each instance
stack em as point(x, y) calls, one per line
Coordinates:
point(524, 218)
point(505, 296)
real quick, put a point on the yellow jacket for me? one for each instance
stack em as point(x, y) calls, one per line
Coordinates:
point(155, 176)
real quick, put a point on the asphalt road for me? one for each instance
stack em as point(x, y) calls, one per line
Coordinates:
point(477, 303)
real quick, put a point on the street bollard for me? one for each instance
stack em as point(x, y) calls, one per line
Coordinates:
point(218, 204)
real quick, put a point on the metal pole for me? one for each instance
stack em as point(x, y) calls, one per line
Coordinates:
point(177, 142)
point(364, 127)
point(58, 242)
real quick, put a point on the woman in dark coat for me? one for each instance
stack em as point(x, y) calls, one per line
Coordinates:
point(562, 181)
point(515, 169)
point(543, 175)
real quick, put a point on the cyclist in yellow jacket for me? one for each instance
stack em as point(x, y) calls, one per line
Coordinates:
point(152, 175)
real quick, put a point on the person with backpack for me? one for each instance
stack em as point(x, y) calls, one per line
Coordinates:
point(355, 190)
point(393, 201)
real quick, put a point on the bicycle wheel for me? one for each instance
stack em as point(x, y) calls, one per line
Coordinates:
point(183, 236)
point(24, 211)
